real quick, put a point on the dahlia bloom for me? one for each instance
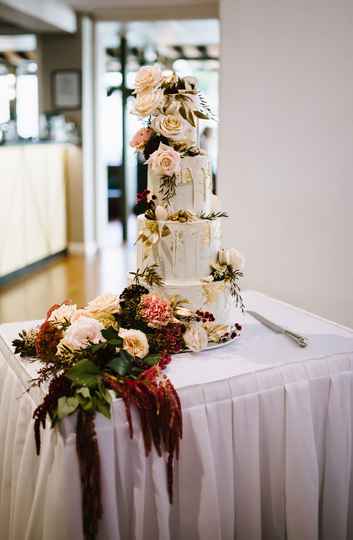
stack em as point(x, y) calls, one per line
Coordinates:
point(156, 311)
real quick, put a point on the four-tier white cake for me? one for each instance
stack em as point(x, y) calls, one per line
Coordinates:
point(180, 232)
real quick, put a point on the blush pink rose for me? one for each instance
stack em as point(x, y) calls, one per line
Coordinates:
point(82, 332)
point(141, 138)
point(165, 161)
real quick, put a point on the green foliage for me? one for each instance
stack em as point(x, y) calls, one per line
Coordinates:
point(84, 373)
point(226, 272)
point(125, 365)
point(121, 364)
point(213, 214)
point(66, 406)
point(152, 359)
point(149, 275)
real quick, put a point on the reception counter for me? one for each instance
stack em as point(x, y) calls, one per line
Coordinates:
point(33, 212)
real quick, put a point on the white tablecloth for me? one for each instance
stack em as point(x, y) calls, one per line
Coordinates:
point(267, 450)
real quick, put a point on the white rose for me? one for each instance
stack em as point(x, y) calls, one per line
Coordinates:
point(147, 102)
point(170, 125)
point(134, 342)
point(161, 213)
point(231, 257)
point(147, 78)
point(165, 160)
point(83, 332)
point(174, 127)
point(105, 303)
point(195, 337)
point(63, 313)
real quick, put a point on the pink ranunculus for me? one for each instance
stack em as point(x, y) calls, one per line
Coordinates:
point(141, 138)
point(156, 311)
point(165, 160)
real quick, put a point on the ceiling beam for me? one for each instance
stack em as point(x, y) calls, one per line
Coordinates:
point(39, 15)
point(207, 10)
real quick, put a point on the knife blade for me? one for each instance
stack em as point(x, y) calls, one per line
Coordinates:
point(300, 340)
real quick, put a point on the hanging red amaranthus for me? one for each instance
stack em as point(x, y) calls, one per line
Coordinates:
point(159, 409)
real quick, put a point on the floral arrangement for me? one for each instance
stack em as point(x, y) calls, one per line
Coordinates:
point(116, 347)
point(171, 106)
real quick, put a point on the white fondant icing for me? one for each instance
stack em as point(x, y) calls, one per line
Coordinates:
point(193, 185)
point(186, 253)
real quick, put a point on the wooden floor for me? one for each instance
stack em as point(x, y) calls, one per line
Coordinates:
point(74, 277)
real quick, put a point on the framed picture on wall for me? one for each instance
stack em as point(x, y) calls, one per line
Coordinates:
point(66, 89)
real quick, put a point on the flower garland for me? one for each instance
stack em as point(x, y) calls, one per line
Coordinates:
point(115, 347)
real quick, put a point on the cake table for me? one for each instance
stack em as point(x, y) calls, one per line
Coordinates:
point(267, 450)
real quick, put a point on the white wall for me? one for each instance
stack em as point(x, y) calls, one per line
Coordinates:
point(286, 148)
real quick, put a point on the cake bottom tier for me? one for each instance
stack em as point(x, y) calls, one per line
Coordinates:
point(214, 297)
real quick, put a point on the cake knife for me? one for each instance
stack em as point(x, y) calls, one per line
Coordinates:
point(299, 340)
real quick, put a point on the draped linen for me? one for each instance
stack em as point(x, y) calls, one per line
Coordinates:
point(267, 451)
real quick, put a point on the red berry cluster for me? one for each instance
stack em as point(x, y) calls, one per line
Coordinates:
point(235, 330)
point(142, 196)
point(204, 316)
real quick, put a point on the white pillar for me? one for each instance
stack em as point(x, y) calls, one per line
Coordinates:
point(88, 136)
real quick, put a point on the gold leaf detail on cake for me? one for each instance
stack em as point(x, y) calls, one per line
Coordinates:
point(150, 235)
point(185, 176)
point(207, 179)
point(211, 291)
point(179, 239)
point(206, 235)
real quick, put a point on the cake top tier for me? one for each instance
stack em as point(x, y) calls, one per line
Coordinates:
point(178, 170)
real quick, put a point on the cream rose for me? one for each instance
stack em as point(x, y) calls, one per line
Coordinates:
point(105, 303)
point(147, 78)
point(231, 257)
point(147, 103)
point(134, 342)
point(63, 313)
point(170, 125)
point(165, 160)
point(195, 337)
point(83, 332)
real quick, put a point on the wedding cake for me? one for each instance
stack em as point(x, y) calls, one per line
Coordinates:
point(179, 244)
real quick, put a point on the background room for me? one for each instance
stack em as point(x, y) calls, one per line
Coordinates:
point(284, 161)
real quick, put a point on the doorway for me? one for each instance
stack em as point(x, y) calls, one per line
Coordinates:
point(188, 47)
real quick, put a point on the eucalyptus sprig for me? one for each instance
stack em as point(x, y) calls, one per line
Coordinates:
point(213, 214)
point(148, 275)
